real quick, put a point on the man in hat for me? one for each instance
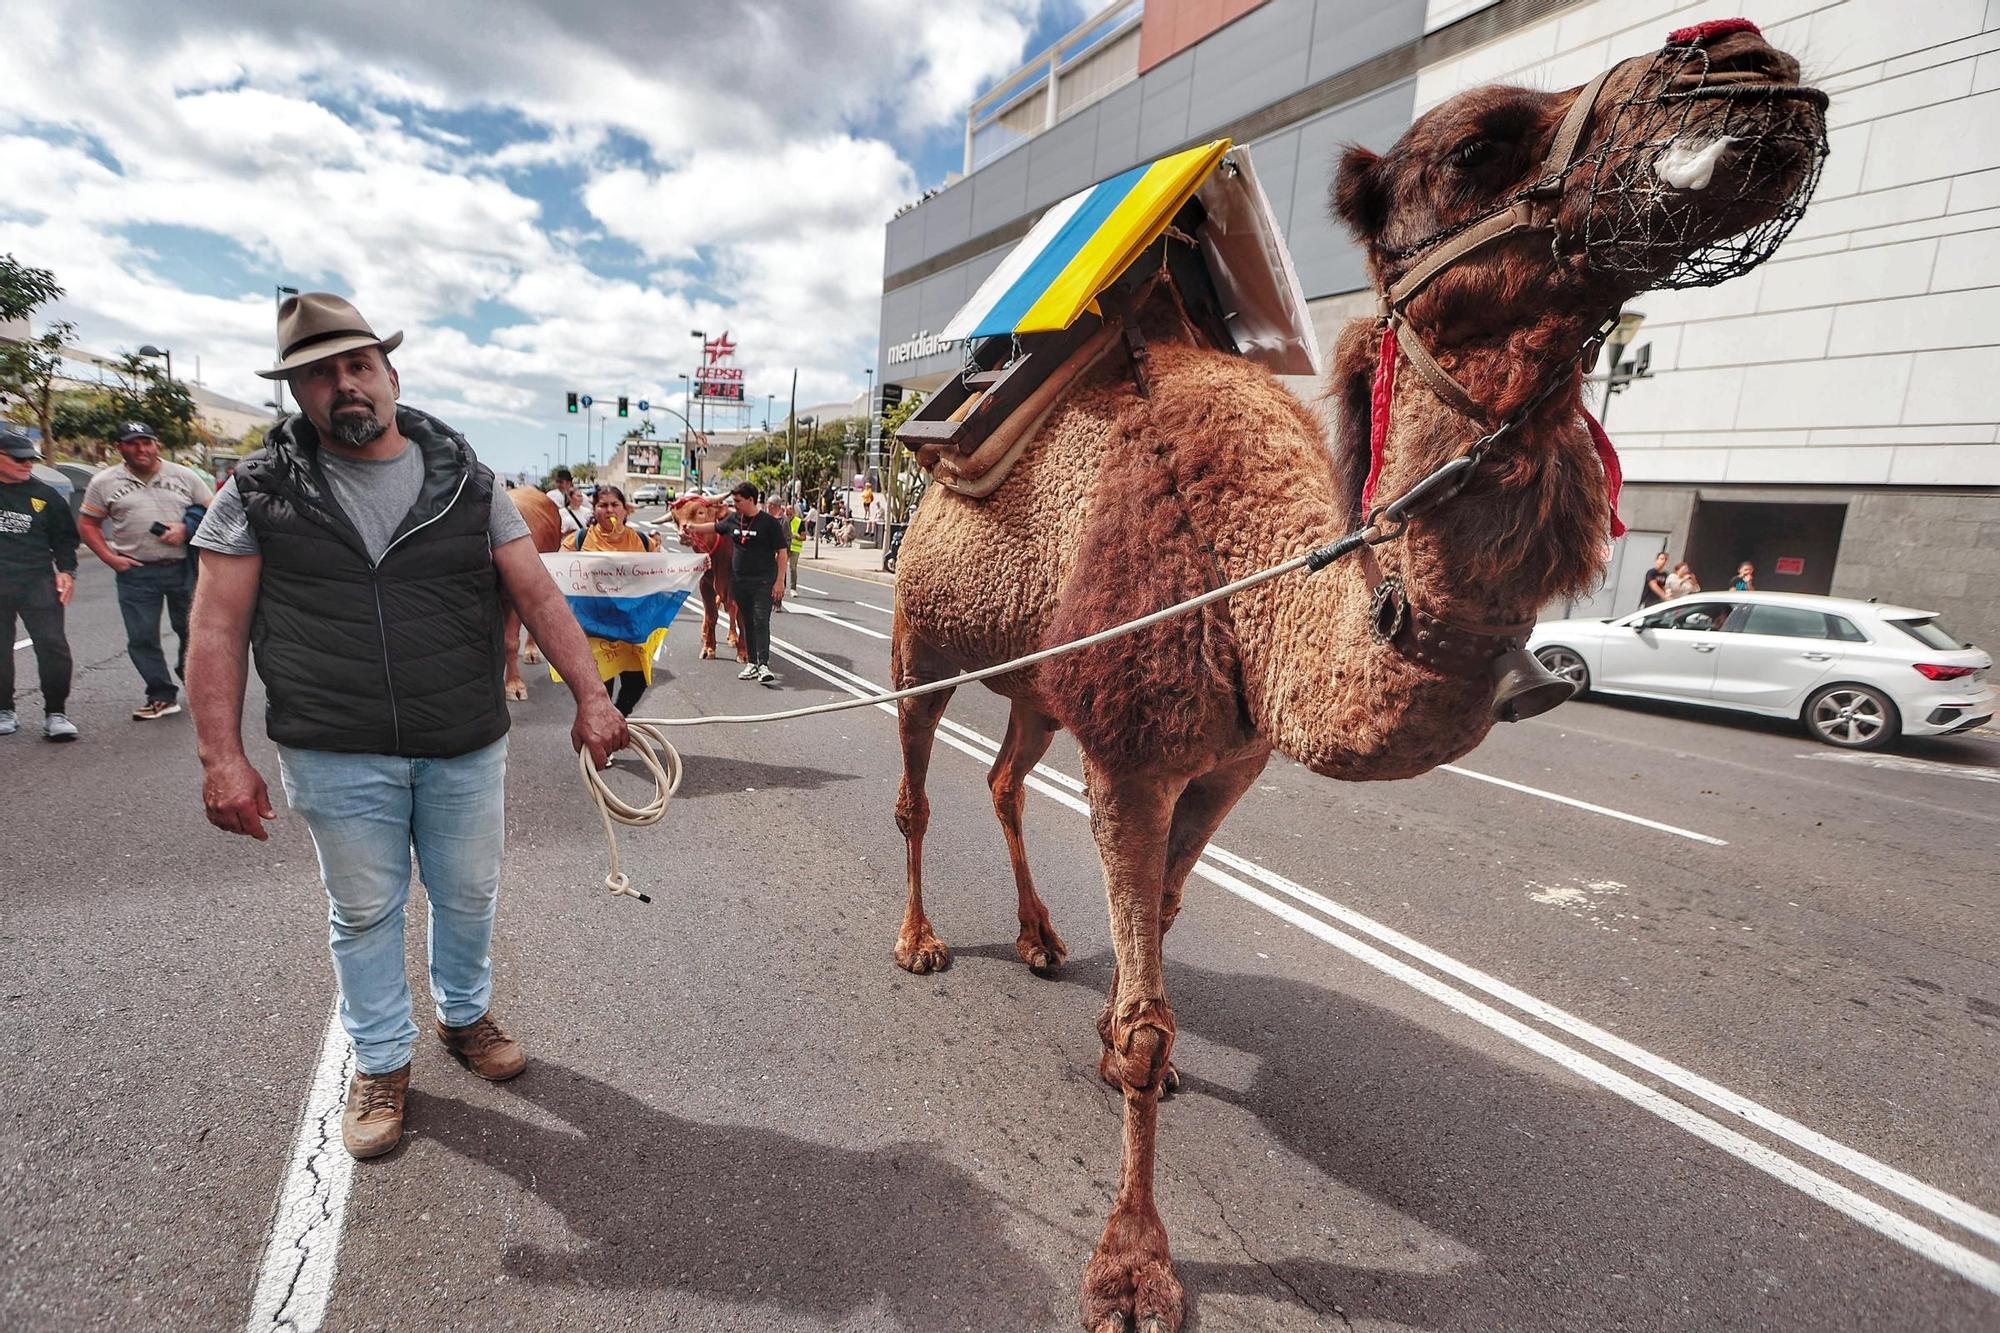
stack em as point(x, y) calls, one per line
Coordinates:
point(37, 575)
point(362, 555)
point(135, 518)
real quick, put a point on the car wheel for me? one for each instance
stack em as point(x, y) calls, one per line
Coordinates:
point(1854, 717)
point(1562, 662)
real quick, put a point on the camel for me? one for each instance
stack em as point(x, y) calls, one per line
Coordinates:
point(1212, 471)
point(545, 530)
point(716, 591)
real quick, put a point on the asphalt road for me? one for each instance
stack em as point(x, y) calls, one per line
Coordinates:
point(1455, 1055)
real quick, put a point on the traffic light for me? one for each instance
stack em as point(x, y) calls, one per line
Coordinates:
point(621, 405)
point(572, 402)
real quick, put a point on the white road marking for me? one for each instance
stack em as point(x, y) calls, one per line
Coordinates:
point(885, 610)
point(828, 615)
point(1523, 788)
point(22, 643)
point(1938, 1249)
point(1604, 810)
point(296, 1277)
point(1906, 764)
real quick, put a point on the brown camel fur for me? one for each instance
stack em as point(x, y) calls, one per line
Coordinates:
point(545, 531)
point(1220, 473)
point(717, 592)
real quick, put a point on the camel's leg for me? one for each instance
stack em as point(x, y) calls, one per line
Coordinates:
point(1129, 1285)
point(517, 689)
point(1197, 814)
point(1028, 735)
point(918, 948)
point(708, 604)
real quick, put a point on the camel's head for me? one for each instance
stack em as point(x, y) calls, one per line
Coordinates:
point(1684, 168)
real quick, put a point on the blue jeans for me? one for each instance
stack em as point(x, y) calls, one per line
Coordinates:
point(141, 589)
point(365, 813)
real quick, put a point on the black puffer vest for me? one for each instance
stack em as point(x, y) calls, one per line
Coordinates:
point(401, 657)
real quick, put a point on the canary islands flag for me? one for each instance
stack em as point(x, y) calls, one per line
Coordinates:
point(625, 600)
point(1081, 245)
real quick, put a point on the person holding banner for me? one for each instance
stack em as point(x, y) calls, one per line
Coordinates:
point(625, 668)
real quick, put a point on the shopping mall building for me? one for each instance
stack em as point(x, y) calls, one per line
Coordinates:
point(1830, 417)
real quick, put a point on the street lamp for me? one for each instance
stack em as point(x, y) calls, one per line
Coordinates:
point(562, 448)
point(1620, 371)
point(769, 399)
point(150, 350)
point(278, 299)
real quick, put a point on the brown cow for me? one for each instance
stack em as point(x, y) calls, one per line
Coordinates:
point(716, 590)
point(545, 530)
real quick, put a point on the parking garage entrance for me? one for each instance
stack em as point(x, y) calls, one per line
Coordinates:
point(1793, 546)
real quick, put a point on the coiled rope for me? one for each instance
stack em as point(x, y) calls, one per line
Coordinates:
point(663, 762)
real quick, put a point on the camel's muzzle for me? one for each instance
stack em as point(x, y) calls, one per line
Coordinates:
point(1701, 171)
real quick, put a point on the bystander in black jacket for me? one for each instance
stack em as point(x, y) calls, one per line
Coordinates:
point(37, 538)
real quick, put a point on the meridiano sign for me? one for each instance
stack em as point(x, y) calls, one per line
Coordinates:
point(924, 344)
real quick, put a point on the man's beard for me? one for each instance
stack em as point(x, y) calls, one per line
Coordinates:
point(355, 430)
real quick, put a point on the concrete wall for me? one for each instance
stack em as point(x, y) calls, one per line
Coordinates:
point(1938, 552)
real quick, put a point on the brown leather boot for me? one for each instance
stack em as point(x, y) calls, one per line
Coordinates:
point(372, 1124)
point(485, 1048)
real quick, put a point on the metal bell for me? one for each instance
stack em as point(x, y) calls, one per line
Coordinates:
point(1524, 688)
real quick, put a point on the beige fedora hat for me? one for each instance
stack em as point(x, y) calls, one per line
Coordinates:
point(315, 325)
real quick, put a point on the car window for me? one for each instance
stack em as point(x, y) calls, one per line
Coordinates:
point(1689, 615)
point(1845, 630)
point(1791, 622)
point(1929, 633)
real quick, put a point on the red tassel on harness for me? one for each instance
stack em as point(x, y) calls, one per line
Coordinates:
point(1381, 394)
point(1614, 475)
point(1702, 33)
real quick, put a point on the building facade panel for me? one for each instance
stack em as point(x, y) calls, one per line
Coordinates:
point(1241, 67)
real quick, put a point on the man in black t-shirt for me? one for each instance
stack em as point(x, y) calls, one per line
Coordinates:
point(760, 548)
point(1656, 582)
point(37, 573)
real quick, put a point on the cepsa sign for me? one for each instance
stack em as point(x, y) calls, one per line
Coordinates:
point(718, 381)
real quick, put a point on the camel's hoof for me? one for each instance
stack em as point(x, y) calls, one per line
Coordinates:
point(517, 691)
point(707, 651)
point(923, 955)
point(1041, 949)
point(1133, 1290)
point(1107, 1069)
point(531, 657)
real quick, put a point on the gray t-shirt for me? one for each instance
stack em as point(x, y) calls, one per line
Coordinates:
point(374, 493)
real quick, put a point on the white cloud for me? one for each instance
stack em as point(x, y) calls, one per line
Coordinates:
point(354, 150)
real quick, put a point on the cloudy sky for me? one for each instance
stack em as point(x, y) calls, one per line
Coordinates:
point(543, 196)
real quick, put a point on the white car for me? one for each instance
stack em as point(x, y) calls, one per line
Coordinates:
point(1858, 674)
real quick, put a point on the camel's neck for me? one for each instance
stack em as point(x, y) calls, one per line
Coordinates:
point(1319, 685)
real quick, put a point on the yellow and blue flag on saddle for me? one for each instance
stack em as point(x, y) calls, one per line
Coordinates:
point(1081, 245)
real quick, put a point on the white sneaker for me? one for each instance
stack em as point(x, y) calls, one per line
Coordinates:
point(9, 724)
point(747, 673)
point(765, 675)
point(56, 727)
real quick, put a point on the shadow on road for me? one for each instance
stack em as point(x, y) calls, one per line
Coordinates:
point(743, 1214)
point(1545, 1210)
point(718, 775)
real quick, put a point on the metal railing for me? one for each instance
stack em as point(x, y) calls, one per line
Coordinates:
point(1092, 59)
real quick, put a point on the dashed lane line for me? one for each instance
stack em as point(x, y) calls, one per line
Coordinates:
point(828, 615)
point(1226, 870)
point(296, 1276)
point(1604, 810)
point(19, 644)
